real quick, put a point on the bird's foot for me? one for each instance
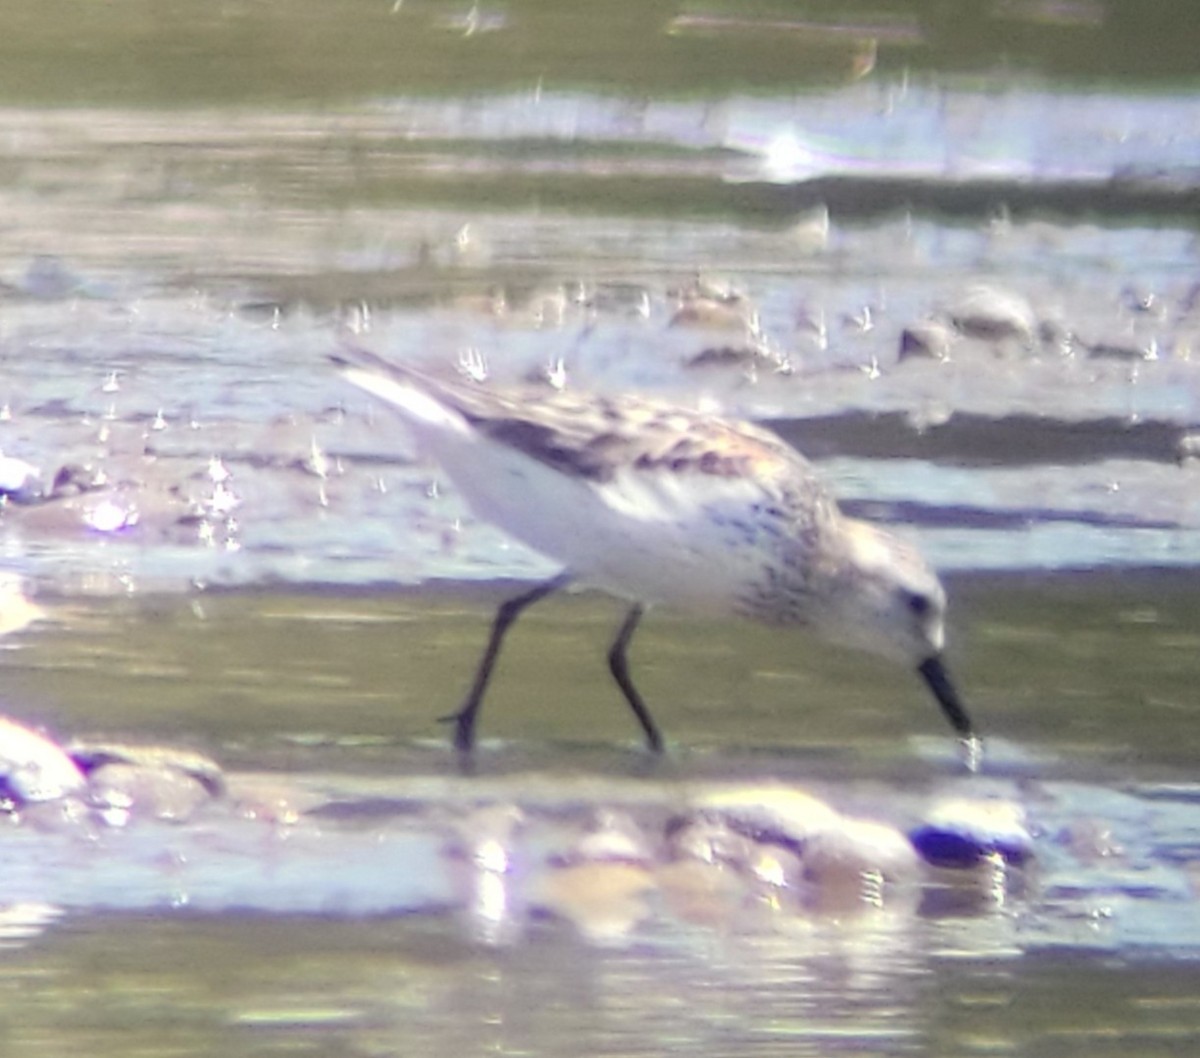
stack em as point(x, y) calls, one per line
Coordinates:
point(464, 728)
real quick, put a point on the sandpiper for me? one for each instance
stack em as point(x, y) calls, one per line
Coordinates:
point(659, 504)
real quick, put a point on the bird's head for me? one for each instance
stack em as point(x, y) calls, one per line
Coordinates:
point(884, 598)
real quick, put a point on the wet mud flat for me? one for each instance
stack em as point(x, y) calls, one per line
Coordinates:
point(273, 834)
point(318, 710)
point(365, 889)
point(221, 576)
point(229, 587)
point(950, 257)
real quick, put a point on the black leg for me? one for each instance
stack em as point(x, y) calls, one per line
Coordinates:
point(464, 719)
point(618, 664)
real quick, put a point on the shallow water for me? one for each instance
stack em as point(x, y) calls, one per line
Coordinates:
point(199, 204)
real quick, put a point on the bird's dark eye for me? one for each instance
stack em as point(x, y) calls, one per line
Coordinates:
point(919, 604)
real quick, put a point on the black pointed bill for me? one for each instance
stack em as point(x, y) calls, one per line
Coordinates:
point(934, 673)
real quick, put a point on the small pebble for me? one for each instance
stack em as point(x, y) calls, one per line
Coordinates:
point(929, 339)
point(34, 768)
point(994, 315)
point(773, 814)
point(198, 769)
point(855, 848)
point(715, 315)
point(613, 838)
point(18, 479)
point(962, 833)
point(604, 901)
point(715, 843)
point(125, 791)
